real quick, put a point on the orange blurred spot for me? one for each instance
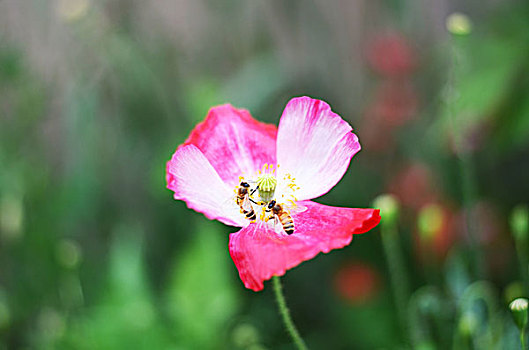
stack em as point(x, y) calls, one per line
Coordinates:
point(356, 282)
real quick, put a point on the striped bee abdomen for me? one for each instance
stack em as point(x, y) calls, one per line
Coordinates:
point(287, 222)
point(250, 214)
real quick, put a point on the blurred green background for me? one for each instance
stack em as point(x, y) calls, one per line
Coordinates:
point(95, 95)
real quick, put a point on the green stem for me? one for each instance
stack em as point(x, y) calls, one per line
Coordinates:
point(466, 169)
point(522, 339)
point(521, 245)
point(399, 279)
point(285, 314)
point(425, 304)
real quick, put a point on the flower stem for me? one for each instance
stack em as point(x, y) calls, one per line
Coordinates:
point(520, 230)
point(464, 155)
point(522, 339)
point(285, 314)
point(523, 261)
point(399, 279)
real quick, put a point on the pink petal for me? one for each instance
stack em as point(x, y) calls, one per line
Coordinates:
point(314, 145)
point(193, 180)
point(260, 253)
point(234, 143)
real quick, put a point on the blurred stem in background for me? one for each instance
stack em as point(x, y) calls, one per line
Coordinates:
point(389, 207)
point(472, 327)
point(285, 314)
point(459, 26)
point(520, 229)
point(425, 311)
point(430, 221)
point(519, 313)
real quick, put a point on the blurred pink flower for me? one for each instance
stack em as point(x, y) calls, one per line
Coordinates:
point(391, 55)
point(311, 150)
point(357, 282)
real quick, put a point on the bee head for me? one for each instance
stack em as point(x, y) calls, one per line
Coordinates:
point(245, 184)
point(271, 204)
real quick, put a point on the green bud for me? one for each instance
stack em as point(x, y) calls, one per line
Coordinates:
point(520, 221)
point(389, 208)
point(519, 312)
point(430, 221)
point(458, 24)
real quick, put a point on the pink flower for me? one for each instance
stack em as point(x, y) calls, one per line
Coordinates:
point(301, 160)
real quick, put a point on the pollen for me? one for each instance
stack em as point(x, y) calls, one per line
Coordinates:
point(263, 216)
point(265, 187)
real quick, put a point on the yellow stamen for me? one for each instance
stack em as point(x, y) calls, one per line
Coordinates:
point(263, 215)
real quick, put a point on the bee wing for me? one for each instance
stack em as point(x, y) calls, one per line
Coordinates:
point(278, 226)
point(294, 208)
point(230, 204)
point(274, 223)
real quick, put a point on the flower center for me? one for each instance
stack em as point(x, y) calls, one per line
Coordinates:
point(264, 189)
point(266, 183)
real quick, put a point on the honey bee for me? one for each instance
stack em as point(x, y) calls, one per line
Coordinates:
point(281, 215)
point(243, 201)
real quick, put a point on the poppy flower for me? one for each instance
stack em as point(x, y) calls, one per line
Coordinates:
point(300, 160)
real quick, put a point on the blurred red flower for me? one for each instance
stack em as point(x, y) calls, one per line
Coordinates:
point(391, 55)
point(356, 282)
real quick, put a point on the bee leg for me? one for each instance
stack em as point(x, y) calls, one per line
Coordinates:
point(255, 189)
